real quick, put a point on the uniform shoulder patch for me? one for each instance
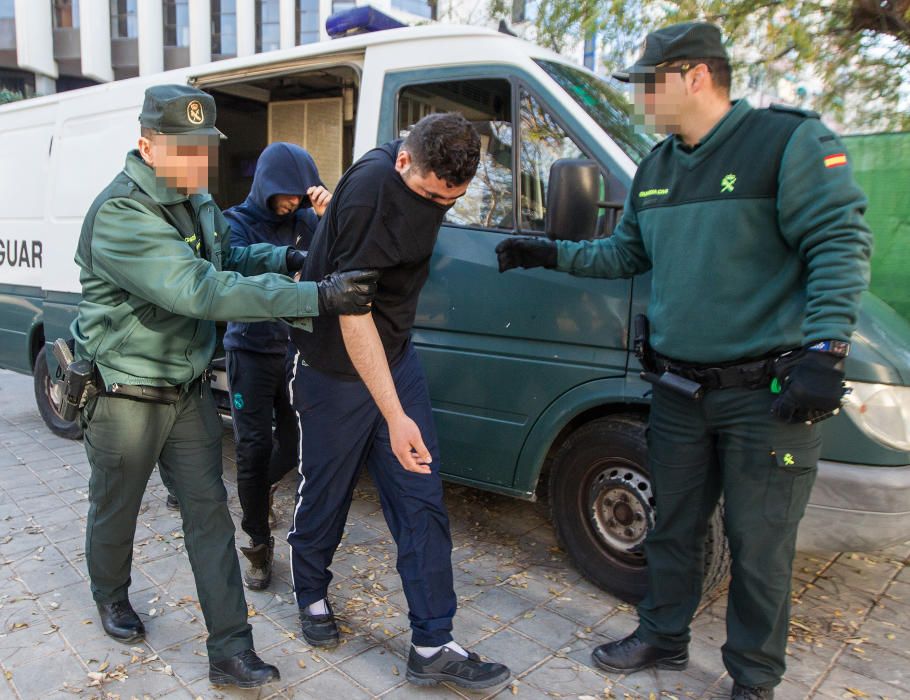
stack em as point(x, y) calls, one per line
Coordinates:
point(787, 109)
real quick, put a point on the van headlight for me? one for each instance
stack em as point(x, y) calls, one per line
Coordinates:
point(882, 411)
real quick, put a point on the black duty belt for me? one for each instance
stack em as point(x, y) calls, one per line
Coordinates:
point(749, 374)
point(156, 394)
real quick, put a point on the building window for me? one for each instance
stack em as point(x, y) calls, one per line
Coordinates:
point(224, 27)
point(66, 14)
point(421, 8)
point(124, 24)
point(342, 5)
point(268, 30)
point(176, 23)
point(307, 21)
point(7, 25)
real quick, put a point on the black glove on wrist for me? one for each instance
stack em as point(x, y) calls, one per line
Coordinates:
point(295, 260)
point(812, 388)
point(347, 293)
point(526, 251)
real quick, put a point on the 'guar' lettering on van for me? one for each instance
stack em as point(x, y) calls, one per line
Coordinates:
point(21, 253)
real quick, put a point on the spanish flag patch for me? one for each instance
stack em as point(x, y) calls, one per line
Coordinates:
point(835, 159)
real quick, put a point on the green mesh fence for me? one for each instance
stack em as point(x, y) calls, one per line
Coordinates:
point(881, 163)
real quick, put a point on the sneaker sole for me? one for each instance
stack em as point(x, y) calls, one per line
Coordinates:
point(225, 680)
point(667, 664)
point(431, 679)
point(322, 643)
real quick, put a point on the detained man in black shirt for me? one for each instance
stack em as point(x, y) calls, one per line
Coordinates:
point(361, 396)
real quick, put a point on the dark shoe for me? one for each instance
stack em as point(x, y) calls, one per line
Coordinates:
point(319, 630)
point(245, 670)
point(448, 666)
point(259, 574)
point(632, 654)
point(121, 622)
point(748, 692)
point(171, 503)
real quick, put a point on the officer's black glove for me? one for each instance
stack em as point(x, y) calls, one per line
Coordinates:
point(347, 293)
point(296, 259)
point(526, 251)
point(811, 390)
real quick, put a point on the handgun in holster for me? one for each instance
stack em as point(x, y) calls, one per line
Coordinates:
point(78, 381)
point(641, 344)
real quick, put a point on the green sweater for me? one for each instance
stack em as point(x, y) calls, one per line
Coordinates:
point(158, 269)
point(755, 238)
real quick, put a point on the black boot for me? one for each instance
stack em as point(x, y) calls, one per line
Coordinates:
point(259, 574)
point(171, 502)
point(319, 630)
point(746, 692)
point(121, 622)
point(245, 670)
point(632, 654)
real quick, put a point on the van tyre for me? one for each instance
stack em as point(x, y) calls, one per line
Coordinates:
point(44, 389)
point(602, 508)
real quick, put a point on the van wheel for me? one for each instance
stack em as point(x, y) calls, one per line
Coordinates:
point(47, 396)
point(602, 507)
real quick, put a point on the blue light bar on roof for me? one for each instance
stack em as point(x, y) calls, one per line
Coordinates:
point(359, 20)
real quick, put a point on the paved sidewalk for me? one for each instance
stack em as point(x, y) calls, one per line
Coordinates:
point(520, 602)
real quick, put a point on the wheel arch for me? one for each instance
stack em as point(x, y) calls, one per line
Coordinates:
point(35, 341)
point(566, 414)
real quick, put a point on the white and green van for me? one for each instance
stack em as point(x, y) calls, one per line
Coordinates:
point(533, 383)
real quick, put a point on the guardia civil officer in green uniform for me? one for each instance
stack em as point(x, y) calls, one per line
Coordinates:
point(752, 226)
point(157, 270)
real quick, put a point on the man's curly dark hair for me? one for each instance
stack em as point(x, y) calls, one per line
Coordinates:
point(445, 144)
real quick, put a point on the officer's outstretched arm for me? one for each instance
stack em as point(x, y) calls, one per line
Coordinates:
point(623, 254)
point(239, 255)
point(820, 208)
point(140, 253)
point(361, 339)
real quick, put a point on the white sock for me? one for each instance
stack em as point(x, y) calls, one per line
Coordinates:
point(427, 652)
point(318, 608)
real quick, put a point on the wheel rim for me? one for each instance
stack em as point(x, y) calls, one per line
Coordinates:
point(54, 393)
point(621, 510)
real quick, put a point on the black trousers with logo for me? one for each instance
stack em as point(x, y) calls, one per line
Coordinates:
point(259, 392)
point(726, 444)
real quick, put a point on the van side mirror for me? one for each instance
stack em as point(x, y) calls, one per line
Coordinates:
point(573, 192)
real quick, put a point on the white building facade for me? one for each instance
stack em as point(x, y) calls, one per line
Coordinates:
point(53, 45)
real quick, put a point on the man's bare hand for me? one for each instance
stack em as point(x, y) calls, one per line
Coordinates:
point(407, 444)
point(319, 199)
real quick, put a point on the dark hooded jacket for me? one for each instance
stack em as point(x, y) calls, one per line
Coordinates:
point(282, 168)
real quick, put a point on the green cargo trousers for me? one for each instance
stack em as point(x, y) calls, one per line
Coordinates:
point(726, 444)
point(123, 440)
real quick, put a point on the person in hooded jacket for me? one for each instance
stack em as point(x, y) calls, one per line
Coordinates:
point(283, 208)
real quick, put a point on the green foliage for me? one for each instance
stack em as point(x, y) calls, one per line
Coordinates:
point(858, 49)
point(10, 96)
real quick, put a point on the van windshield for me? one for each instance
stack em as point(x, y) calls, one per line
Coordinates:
point(606, 105)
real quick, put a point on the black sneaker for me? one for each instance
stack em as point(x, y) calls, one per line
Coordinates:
point(244, 670)
point(448, 666)
point(632, 654)
point(171, 503)
point(121, 622)
point(319, 630)
point(748, 692)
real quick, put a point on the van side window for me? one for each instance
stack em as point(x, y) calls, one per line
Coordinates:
point(489, 201)
point(543, 141)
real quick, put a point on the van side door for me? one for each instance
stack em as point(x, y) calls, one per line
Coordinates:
point(499, 348)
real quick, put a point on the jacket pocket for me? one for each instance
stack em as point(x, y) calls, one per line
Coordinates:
point(791, 475)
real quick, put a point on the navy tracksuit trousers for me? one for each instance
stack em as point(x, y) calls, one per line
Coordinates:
point(342, 429)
